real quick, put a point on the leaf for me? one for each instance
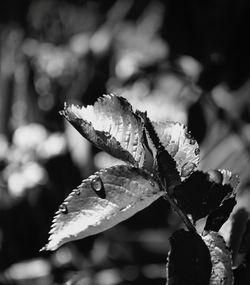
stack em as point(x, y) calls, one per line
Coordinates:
point(111, 125)
point(199, 196)
point(221, 259)
point(165, 165)
point(167, 170)
point(180, 145)
point(189, 259)
point(102, 201)
point(220, 215)
point(229, 178)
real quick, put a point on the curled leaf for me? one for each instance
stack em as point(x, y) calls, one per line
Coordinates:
point(220, 215)
point(221, 259)
point(102, 201)
point(180, 145)
point(199, 196)
point(111, 125)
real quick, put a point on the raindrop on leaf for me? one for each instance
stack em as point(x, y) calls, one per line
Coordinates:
point(192, 141)
point(197, 151)
point(63, 209)
point(97, 186)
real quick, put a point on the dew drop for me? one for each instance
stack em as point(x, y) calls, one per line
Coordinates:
point(97, 186)
point(187, 169)
point(63, 209)
point(192, 141)
point(197, 151)
point(188, 135)
point(96, 183)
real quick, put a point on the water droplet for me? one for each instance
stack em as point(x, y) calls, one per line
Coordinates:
point(96, 183)
point(188, 135)
point(187, 169)
point(63, 209)
point(97, 186)
point(197, 151)
point(192, 141)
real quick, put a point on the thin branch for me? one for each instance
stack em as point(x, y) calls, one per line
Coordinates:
point(181, 213)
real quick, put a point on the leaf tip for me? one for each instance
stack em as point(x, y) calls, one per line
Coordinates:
point(44, 248)
point(50, 246)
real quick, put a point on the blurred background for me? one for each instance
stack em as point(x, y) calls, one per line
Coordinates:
point(182, 61)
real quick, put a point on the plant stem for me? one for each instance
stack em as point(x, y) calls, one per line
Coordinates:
point(181, 213)
point(169, 190)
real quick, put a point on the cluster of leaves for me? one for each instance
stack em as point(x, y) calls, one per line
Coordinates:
point(112, 125)
point(160, 161)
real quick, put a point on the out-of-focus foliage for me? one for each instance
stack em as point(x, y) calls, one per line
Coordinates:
point(177, 60)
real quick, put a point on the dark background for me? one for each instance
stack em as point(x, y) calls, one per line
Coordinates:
point(191, 57)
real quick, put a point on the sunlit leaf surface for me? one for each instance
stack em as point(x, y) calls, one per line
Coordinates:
point(221, 259)
point(102, 201)
point(111, 125)
point(180, 145)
